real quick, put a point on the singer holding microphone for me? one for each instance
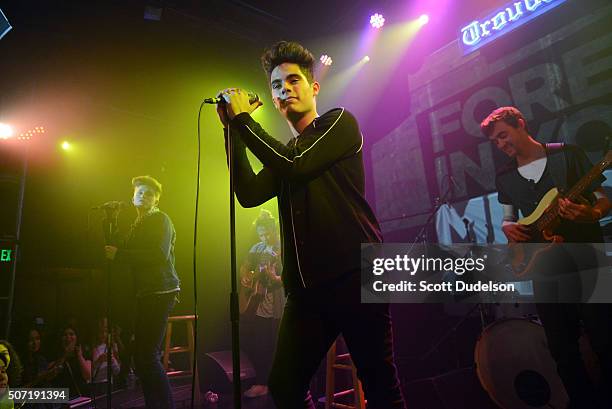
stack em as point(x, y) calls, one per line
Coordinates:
point(318, 179)
point(149, 251)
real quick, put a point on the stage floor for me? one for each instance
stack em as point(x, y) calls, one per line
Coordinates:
point(181, 391)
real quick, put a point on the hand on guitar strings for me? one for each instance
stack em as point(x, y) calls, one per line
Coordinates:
point(578, 212)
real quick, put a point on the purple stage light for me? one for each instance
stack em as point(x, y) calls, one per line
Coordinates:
point(326, 60)
point(377, 20)
point(424, 19)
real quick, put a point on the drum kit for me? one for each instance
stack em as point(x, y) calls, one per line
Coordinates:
point(515, 367)
point(511, 355)
point(514, 364)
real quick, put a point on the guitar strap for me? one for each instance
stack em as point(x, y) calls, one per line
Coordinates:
point(557, 164)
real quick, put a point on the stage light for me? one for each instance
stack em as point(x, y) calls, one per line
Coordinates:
point(66, 145)
point(424, 19)
point(6, 131)
point(377, 20)
point(26, 135)
point(366, 59)
point(326, 60)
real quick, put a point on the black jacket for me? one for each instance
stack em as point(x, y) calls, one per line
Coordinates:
point(149, 250)
point(318, 178)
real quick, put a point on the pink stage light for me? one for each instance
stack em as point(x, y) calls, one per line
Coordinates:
point(377, 20)
point(424, 19)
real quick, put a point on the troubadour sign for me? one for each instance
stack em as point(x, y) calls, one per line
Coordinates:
point(480, 32)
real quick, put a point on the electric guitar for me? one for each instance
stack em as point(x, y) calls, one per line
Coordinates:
point(543, 221)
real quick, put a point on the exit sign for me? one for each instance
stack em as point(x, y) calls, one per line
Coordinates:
point(6, 255)
point(8, 261)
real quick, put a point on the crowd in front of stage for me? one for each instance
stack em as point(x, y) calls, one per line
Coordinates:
point(41, 357)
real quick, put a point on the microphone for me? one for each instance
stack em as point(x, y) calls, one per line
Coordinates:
point(222, 99)
point(112, 205)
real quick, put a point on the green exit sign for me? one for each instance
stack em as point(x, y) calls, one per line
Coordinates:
point(5, 255)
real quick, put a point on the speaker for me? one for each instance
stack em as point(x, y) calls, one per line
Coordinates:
point(216, 371)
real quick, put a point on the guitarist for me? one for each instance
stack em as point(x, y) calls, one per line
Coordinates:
point(533, 170)
point(262, 301)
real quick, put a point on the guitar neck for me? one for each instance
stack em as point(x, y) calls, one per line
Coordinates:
point(587, 179)
point(579, 187)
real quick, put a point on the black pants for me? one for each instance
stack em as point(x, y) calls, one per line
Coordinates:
point(311, 322)
point(258, 339)
point(562, 326)
point(151, 318)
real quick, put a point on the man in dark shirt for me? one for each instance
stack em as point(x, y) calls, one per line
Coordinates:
point(318, 178)
point(149, 250)
point(534, 170)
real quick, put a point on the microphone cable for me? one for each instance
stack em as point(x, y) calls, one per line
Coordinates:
point(195, 286)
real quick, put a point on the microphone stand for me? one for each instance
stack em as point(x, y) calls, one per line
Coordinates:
point(109, 224)
point(234, 309)
point(422, 235)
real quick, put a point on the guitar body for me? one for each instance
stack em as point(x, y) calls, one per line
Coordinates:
point(523, 256)
point(543, 221)
point(549, 198)
point(250, 296)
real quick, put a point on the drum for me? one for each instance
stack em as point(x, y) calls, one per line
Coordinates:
point(514, 366)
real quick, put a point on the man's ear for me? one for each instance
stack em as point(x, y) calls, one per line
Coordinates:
point(315, 88)
point(522, 124)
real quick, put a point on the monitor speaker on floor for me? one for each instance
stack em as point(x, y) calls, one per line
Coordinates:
point(216, 372)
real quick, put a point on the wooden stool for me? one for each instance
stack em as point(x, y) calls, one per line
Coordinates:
point(189, 348)
point(343, 362)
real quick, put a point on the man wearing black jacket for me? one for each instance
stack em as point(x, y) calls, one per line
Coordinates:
point(149, 251)
point(318, 178)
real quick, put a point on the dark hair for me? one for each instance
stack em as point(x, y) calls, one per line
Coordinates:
point(66, 327)
point(14, 369)
point(265, 219)
point(509, 115)
point(27, 336)
point(288, 51)
point(148, 181)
